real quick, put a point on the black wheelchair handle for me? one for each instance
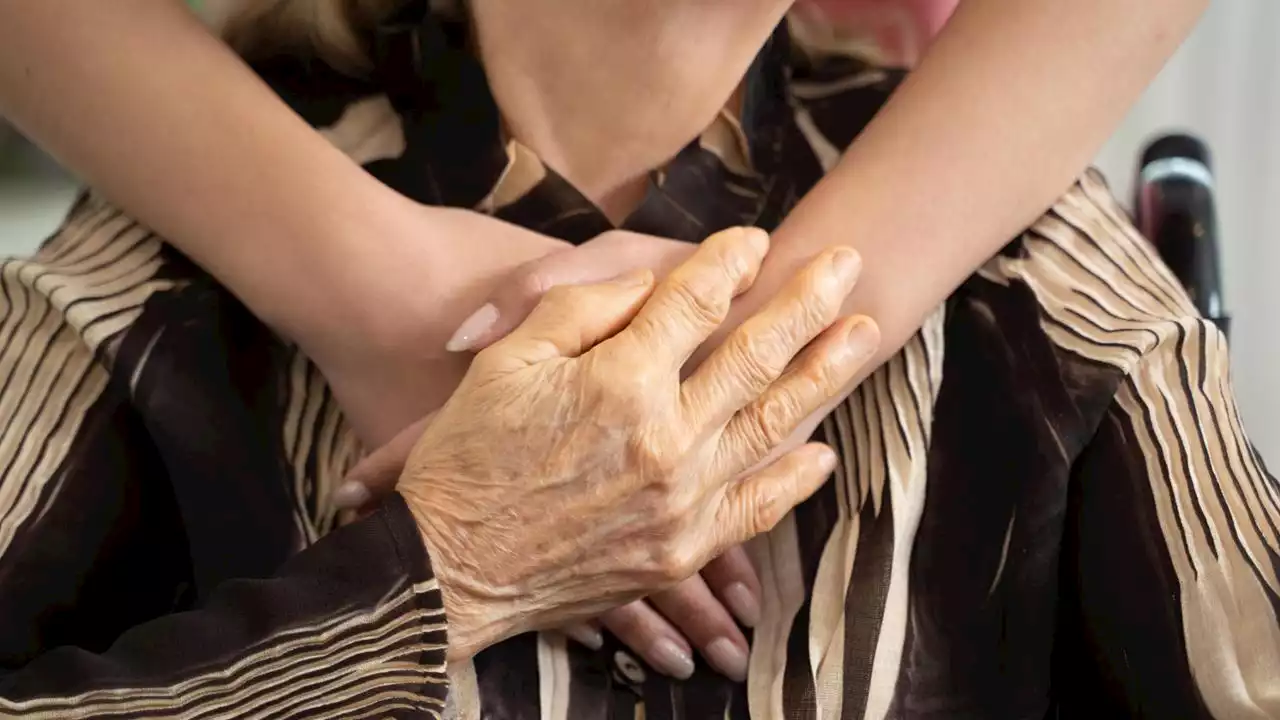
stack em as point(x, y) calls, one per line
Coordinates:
point(1175, 209)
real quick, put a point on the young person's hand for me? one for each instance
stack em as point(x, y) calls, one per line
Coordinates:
point(430, 269)
point(603, 257)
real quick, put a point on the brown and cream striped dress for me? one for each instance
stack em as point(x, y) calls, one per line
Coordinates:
point(1047, 506)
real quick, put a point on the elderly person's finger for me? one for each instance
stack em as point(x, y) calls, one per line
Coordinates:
point(824, 368)
point(755, 504)
point(760, 349)
point(569, 320)
point(694, 299)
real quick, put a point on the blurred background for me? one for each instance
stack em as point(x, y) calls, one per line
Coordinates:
point(1223, 85)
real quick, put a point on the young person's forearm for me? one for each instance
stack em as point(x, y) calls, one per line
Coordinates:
point(1004, 111)
point(139, 99)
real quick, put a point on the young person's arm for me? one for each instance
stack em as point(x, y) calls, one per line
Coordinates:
point(1005, 109)
point(143, 102)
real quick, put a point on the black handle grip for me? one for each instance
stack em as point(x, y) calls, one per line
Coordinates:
point(1176, 211)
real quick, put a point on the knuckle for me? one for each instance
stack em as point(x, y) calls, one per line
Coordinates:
point(758, 433)
point(814, 311)
point(658, 459)
point(776, 413)
point(752, 358)
point(821, 373)
point(676, 560)
point(702, 297)
point(631, 390)
point(821, 293)
point(735, 267)
point(763, 511)
point(732, 256)
point(623, 407)
point(667, 511)
point(814, 306)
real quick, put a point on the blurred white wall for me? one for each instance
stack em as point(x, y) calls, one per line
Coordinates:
point(1224, 85)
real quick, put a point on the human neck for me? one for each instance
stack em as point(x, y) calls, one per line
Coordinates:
point(604, 91)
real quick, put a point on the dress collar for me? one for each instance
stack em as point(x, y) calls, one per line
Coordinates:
point(726, 176)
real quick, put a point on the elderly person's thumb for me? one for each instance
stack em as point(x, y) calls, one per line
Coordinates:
point(605, 257)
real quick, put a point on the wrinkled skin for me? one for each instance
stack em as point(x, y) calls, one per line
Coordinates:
point(574, 471)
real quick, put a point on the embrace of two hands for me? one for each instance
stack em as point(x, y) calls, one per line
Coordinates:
point(705, 610)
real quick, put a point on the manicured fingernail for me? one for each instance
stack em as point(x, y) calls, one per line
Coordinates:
point(671, 659)
point(728, 658)
point(464, 338)
point(743, 604)
point(586, 635)
point(862, 339)
point(351, 495)
point(845, 264)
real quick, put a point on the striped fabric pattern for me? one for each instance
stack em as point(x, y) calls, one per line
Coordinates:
point(352, 628)
point(1046, 505)
point(360, 663)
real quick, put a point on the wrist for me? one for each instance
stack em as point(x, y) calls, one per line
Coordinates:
point(371, 268)
point(476, 619)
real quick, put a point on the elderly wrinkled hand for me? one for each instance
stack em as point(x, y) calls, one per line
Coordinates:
point(706, 610)
point(574, 471)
